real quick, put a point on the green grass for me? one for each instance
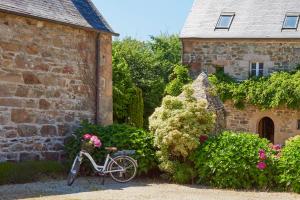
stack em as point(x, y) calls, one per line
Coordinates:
point(30, 171)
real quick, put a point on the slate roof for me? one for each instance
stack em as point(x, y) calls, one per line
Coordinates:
point(253, 19)
point(80, 13)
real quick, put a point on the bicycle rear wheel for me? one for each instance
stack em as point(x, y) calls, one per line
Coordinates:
point(123, 169)
point(74, 171)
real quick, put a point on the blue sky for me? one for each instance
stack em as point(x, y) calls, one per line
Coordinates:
point(141, 18)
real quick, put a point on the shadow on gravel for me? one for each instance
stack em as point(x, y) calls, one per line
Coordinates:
point(59, 187)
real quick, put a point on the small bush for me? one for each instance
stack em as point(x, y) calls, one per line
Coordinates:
point(30, 171)
point(230, 161)
point(121, 136)
point(177, 126)
point(289, 165)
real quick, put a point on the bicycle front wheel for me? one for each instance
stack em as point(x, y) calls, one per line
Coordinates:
point(122, 169)
point(74, 171)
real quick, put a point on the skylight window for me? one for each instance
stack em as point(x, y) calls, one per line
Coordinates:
point(291, 22)
point(225, 21)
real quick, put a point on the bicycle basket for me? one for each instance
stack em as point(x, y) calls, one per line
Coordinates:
point(88, 147)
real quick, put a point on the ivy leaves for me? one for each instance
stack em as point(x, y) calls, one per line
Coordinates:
point(279, 89)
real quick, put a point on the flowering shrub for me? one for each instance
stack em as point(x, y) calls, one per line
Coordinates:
point(177, 126)
point(235, 160)
point(289, 165)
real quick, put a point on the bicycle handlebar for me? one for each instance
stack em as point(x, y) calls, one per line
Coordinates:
point(75, 136)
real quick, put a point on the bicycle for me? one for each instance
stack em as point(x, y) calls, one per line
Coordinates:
point(121, 167)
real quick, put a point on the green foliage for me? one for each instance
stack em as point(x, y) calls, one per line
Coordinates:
point(122, 89)
point(30, 171)
point(136, 109)
point(178, 79)
point(289, 165)
point(140, 71)
point(145, 65)
point(167, 53)
point(279, 89)
point(177, 125)
point(121, 136)
point(229, 161)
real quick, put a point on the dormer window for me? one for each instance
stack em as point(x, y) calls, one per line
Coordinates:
point(291, 21)
point(225, 21)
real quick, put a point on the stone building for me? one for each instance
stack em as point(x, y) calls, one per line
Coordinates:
point(55, 70)
point(246, 38)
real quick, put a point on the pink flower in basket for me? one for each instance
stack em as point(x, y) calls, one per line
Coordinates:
point(96, 141)
point(87, 136)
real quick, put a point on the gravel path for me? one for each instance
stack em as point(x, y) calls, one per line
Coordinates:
point(91, 189)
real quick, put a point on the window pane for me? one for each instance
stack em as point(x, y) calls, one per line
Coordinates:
point(261, 66)
point(224, 21)
point(290, 22)
point(261, 72)
point(253, 66)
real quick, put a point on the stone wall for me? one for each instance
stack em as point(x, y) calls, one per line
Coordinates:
point(235, 55)
point(47, 85)
point(285, 120)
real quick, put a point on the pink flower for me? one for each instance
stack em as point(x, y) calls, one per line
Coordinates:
point(95, 140)
point(97, 143)
point(261, 165)
point(276, 147)
point(87, 136)
point(262, 155)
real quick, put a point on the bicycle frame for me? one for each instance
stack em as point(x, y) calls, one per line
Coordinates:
point(100, 168)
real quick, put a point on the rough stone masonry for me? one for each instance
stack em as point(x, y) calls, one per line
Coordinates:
point(47, 85)
point(234, 56)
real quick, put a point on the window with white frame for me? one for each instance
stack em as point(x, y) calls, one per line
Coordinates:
point(257, 69)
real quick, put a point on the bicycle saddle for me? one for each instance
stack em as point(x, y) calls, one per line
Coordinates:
point(112, 149)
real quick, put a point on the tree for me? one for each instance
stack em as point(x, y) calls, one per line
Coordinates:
point(147, 66)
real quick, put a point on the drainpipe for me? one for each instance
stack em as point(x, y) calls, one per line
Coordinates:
point(97, 117)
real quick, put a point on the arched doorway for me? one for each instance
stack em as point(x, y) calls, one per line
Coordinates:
point(266, 129)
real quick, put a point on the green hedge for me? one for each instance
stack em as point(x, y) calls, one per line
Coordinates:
point(123, 137)
point(289, 165)
point(30, 171)
point(230, 161)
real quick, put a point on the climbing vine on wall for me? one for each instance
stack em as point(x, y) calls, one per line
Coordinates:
point(278, 89)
